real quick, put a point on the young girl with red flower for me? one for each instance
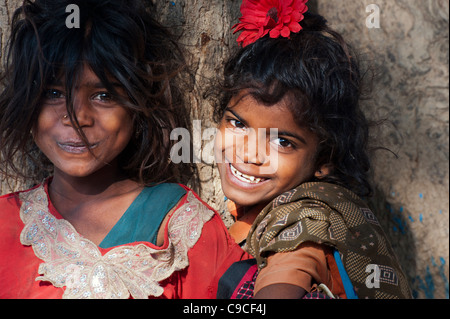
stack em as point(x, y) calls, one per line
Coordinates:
point(297, 195)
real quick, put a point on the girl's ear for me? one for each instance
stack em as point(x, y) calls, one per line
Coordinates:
point(323, 171)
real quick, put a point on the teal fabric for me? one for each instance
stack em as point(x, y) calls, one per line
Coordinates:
point(141, 221)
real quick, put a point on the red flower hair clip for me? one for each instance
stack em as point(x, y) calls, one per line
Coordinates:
point(276, 17)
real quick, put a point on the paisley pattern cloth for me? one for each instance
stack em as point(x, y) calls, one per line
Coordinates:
point(331, 215)
point(53, 255)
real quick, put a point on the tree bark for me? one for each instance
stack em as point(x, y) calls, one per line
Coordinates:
point(204, 30)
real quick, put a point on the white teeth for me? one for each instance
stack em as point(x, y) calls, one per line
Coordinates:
point(245, 178)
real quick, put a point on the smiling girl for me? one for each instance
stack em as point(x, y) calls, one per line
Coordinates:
point(297, 195)
point(89, 111)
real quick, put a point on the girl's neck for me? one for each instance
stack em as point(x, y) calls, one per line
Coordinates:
point(246, 215)
point(92, 204)
point(81, 189)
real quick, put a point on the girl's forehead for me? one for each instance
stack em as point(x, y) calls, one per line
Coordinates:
point(255, 113)
point(81, 76)
point(245, 99)
point(284, 113)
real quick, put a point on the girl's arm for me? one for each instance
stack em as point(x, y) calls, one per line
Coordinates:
point(280, 291)
point(290, 275)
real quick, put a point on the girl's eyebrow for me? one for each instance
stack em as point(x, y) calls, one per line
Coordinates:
point(280, 133)
point(290, 134)
point(100, 85)
point(91, 84)
point(236, 115)
point(55, 82)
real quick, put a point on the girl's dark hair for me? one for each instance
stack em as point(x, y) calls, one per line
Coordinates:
point(320, 75)
point(119, 40)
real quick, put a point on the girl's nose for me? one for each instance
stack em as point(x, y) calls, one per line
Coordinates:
point(253, 149)
point(83, 113)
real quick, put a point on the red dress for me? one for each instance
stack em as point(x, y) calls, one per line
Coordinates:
point(42, 255)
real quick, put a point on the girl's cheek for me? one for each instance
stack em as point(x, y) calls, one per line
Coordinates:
point(234, 145)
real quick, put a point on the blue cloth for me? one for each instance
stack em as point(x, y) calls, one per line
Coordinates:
point(348, 287)
point(142, 220)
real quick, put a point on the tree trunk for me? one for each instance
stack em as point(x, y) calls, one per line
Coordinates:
point(204, 30)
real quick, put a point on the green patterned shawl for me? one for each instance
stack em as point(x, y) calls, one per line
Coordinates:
point(332, 215)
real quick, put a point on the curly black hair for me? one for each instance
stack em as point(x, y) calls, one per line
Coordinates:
point(320, 74)
point(120, 41)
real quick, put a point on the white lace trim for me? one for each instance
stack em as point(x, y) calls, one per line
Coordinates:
point(76, 263)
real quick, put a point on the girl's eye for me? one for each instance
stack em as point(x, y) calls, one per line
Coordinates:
point(236, 123)
point(103, 97)
point(283, 143)
point(53, 94)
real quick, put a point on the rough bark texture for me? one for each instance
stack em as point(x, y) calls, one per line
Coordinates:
point(203, 28)
point(409, 53)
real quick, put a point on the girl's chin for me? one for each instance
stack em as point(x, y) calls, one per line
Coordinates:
point(243, 198)
point(78, 171)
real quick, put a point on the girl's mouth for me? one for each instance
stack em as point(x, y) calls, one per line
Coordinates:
point(246, 178)
point(76, 147)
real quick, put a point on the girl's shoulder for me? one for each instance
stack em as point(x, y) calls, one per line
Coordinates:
point(174, 195)
point(9, 202)
point(193, 208)
point(196, 196)
point(165, 193)
point(15, 195)
point(10, 205)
